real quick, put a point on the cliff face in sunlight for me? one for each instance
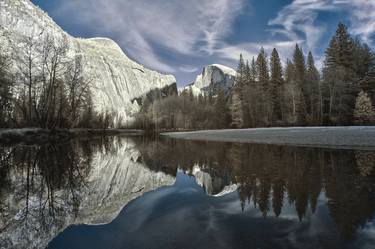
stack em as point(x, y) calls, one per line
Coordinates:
point(212, 78)
point(116, 79)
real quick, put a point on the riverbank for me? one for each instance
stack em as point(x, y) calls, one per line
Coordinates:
point(40, 136)
point(353, 137)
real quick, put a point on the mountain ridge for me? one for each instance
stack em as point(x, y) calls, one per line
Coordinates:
point(213, 77)
point(116, 79)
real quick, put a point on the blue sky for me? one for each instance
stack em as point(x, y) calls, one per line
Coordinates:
point(181, 36)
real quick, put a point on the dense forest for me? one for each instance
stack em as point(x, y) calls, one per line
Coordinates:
point(267, 94)
point(46, 88)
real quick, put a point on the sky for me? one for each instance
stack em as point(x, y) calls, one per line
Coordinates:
point(180, 37)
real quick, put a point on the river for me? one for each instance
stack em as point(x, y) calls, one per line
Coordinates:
point(134, 192)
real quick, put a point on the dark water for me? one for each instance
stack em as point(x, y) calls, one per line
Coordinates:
point(138, 193)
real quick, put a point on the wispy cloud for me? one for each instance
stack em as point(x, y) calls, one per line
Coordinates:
point(250, 50)
point(300, 17)
point(179, 36)
point(363, 19)
point(188, 69)
point(142, 26)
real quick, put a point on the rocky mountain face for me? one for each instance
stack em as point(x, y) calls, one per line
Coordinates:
point(116, 79)
point(212, 78)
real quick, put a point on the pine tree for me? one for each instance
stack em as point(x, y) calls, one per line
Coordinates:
point(252, 97)
point(345, 48)
point(236, 108)
point(248, 75)
point(253, 70)
point(237, 104)
point(290, 95)
point(221, 110)
point(246, 97)
point(367, 84)
point(365, 68)
point(262, 69)
point(299, 79)
point(364, 59)
point(275, 85)
point(340, 78)
point(263, 81)
point(312, 86)
point(364, 113)
point(241, 72)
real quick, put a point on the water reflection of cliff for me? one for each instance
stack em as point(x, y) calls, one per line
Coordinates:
point(44, 189)
point(268, 176)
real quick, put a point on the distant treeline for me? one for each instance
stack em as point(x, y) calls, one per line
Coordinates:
point(44, 87)
point(265, 94)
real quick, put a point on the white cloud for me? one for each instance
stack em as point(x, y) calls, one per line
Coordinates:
point(142, 26)
point(250, 50)
point(151, 29)
point(188, 69)
point(363, 19)
point(301, 17)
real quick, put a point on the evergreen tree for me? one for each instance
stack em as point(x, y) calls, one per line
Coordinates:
point(312, 86)
point(340, 78)
point(221, 110)
point(253, 70)
point(236, 108)
point(299, 79)
point(241, 72)
point(237, 104)
point(246, 97)
point(364, 59)
point(289, 107)
point(367, 84)
point(252, 97)
point(263, 81)
point(345, 48)
point(248, 75)
point(364, 113)
point(275, 85)
point(262, 69)
point(365, 68)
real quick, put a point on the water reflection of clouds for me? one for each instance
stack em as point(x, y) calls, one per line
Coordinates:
point(366, 236)
point(278, 197)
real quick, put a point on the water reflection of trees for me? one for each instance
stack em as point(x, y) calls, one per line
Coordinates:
point(46, 181)
point(270, 175)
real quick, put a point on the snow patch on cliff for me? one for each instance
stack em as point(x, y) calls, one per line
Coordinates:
point(212, 78)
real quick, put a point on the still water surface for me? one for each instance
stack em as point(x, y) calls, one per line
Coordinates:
point(131, 192)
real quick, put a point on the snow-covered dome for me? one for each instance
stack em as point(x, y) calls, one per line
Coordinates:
point(213, 77)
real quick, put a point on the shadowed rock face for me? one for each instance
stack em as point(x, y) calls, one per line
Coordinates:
point(116, 79)
point(213, 78)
